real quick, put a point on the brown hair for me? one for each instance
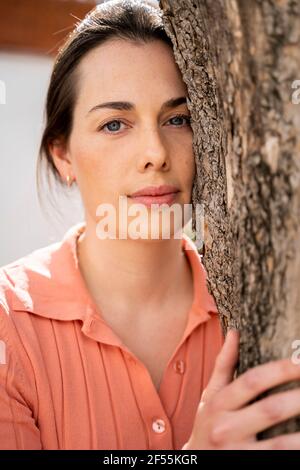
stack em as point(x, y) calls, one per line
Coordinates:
point(123, 19)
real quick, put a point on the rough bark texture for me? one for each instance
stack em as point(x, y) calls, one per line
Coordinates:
point(239, 59)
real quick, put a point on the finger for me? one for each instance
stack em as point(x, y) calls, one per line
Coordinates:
point(259, 416)
point(256, 381)
point(225, 365)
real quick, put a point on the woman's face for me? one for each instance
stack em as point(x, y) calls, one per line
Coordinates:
point(115, 152)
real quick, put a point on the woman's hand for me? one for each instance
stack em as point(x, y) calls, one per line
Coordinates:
point(225, 420)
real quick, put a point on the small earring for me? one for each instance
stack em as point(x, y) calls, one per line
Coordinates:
point(69, 181)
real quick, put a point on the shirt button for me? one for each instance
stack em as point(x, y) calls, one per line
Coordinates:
point(158, 426)
point(179, 367)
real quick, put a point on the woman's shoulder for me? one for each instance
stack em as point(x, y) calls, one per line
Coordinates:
point(24, 275)
point(41, 278)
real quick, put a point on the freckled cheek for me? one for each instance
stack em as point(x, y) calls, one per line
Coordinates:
point(89, 165)
point(188, 170)
point(188, 167)
point(190, 159)
point(184, 153)
point(100, 177)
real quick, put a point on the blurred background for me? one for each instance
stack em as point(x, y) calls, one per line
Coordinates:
point(31, 32)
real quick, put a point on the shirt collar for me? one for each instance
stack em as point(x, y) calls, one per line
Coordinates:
point(48, 281)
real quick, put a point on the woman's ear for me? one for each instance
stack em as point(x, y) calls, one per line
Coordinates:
point(61, 159)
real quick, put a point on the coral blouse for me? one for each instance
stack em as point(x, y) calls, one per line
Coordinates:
point(66, 379)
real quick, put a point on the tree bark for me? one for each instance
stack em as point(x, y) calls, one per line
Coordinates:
point(240, 60)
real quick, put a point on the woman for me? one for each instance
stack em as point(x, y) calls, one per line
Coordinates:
point(109, 343)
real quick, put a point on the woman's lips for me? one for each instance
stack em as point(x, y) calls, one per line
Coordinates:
point(148, 200)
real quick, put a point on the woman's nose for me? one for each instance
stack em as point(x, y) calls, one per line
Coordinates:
point(153, 151)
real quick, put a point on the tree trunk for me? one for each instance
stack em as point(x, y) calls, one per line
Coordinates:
point(240, 60)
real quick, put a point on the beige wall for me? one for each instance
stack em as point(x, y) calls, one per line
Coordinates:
point(23, 225)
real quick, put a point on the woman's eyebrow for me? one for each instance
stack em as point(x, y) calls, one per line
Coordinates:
point(127, 106)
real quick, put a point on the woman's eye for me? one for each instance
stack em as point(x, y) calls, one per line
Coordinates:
point(112, 128)
point(182, 116)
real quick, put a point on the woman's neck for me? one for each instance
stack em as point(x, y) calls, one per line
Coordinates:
point(133, 275)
